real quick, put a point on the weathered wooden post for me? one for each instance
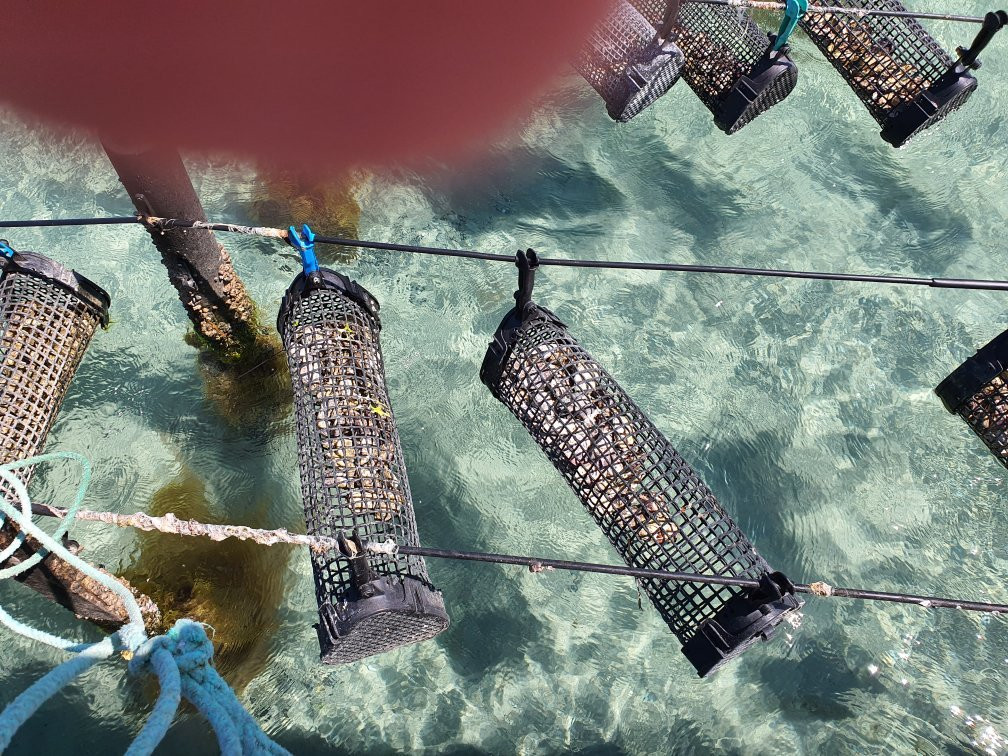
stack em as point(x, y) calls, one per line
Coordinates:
point(222, 312)
point(241, 361)
point(61, 582)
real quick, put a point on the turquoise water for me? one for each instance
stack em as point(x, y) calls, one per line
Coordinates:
point(807, 407)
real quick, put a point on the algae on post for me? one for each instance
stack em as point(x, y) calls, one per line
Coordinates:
point(248, 389)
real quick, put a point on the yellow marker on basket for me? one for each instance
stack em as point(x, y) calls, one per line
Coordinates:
point(346, 329)
point(379, 410)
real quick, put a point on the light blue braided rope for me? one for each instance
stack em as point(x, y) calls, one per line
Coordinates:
point(180, 659)
point(22, 493)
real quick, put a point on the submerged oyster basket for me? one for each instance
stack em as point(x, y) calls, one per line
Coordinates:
point(48, 314)
point(626, 63)
point(650, 503)
point(977, 391)
point(902, 75)
point(730, 63)
point(353, 479)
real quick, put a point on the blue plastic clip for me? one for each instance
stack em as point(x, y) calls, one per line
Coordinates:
point(305, 247)
point(6, 250)
point(793, 12)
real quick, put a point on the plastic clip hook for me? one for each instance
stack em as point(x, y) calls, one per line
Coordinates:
point(305, 245)
point(507, 332)
point(669, 20)
point(6, 250)
point(360, 568)
point(528, 263)
point(793, 12)
point(992, 24)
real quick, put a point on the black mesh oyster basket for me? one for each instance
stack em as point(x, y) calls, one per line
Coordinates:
point(353, 479)
point(48, 315)
point(977, 391)
point(627, 64)
point(902, 75)
point(730, 63)
point(648, 501)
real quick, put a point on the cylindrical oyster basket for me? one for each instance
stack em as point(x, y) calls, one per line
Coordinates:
point(977, 391)
point(899, 71)
point(353, 479)
point(730, 64)
point(626, 64)
point(648, 501)
point(48, 315)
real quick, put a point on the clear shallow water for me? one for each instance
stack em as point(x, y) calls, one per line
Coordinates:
point(806, 406)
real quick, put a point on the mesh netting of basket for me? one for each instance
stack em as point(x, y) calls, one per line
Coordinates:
point(729, 61)
point(353, 478)
point(626, 64)
point(893, 65)
point(652, 506)
point(977, 391)
point(48, 315)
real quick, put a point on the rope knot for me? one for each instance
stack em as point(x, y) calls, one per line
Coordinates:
point(188, 645)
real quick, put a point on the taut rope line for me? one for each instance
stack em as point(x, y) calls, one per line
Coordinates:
point(735, 270)
point(169, 523)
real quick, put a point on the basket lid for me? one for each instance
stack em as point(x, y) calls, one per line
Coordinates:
point(41, 267)
point(966, 380)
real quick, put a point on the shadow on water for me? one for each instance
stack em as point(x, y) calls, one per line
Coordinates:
point(876, 174)
point(683, 737)
point(78, 729)
point(250, 394)
point(678, 185)
point(256, 405)
point(492, 622)
point(190, 734)
point(527, 182)
point(461, 749)
point(821, 685)
point(521, 183)
point(235, 587)
point(757, 492)
point(193, 736)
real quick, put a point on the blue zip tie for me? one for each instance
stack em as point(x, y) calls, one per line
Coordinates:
point(6, 249)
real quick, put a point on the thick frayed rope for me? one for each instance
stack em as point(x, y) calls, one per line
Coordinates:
point(180, 659)
point(173, 525)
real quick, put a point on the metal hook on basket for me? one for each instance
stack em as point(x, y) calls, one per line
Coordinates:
point(793, 12)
